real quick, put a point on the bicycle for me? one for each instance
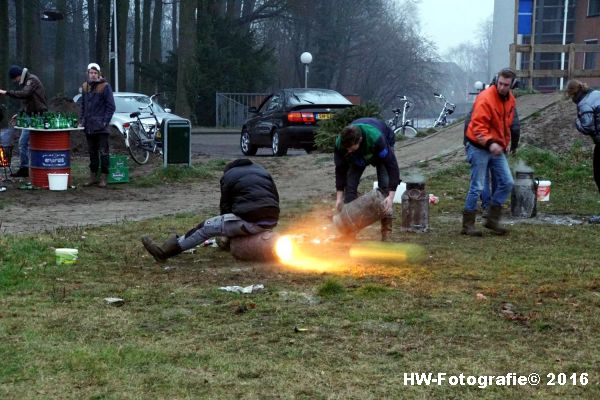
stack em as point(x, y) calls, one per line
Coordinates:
point(447, 109)
point(143, 138)
point(402, 126)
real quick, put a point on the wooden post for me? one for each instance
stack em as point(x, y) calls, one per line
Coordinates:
point(571, 66)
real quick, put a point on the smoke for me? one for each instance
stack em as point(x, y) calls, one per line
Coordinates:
point(413, 177)
point(520, 166)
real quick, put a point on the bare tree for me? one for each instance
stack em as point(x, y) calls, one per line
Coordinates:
point(136, 46)
point(156, 36)
point(102, 37)
point(145, 54)
point(122, 18)
point(59, 61)
point(185, 57)
point(32, 55)
point(91, 12)
point(174, 7)
point(4, 56)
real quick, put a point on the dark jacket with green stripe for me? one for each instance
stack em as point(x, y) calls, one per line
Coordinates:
point(374, 150)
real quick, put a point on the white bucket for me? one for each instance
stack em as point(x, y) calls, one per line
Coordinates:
point(66, 256)
point(58, 181)
point(399, 190)
point(543, 191)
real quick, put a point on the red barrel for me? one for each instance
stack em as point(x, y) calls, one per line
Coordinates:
point(50, 152)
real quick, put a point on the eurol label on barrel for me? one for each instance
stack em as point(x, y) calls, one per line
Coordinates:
point(50, 158)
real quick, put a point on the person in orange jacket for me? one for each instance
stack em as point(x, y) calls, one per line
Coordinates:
point(488, 140)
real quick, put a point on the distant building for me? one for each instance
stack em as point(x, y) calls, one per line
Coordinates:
point(556, 22)
point(587, 30)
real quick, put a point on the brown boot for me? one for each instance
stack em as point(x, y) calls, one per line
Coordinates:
point(468, 224)
point(386, 229)
point(92, 180)
point(493, 221)
point(103, 178)
point(169, 248)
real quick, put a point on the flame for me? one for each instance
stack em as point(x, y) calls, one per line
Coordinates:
point(387, 252)
point(295, 254)
point(3, 158)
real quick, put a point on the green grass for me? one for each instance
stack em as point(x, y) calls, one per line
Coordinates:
point(179, 173)
point(179, 336)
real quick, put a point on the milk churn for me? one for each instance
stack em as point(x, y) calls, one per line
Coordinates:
point(360, 213)
point(415, 208)
point(523, 199)
point(257, 247)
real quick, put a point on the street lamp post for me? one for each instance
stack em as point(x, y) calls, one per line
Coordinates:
point(115, 45)
point(306, 58)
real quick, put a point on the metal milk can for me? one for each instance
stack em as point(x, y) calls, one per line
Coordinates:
point(415, 208)
point(360, 213)
point(523, 199)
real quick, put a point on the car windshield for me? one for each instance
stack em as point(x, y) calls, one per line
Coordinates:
point(129, 104)
point(316, 97)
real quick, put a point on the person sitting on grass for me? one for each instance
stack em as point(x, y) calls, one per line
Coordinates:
point(249, 205)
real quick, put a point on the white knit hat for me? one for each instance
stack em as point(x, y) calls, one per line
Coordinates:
point(93, 66)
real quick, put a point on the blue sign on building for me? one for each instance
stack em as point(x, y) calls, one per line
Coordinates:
point(525, 17)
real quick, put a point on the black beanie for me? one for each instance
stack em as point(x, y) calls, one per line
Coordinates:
point(14, 71)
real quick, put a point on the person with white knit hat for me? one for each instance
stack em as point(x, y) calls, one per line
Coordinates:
point(97, 109)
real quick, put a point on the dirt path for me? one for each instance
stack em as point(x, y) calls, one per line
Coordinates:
point(306, 176)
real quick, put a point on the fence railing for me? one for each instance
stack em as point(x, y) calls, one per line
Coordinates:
point(232, 108)
point(571, 71)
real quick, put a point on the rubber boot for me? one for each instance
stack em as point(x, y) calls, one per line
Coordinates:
point(92, 180)
point(468, 224)
point(103, 178)
point(386, 229)
point(169, 248)
point(493, 221)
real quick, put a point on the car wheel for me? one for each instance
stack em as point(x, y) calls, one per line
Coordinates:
point(248, 149)
point(277, 147)
point(310, 149)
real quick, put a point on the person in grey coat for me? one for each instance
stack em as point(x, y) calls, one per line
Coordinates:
point(588, 117)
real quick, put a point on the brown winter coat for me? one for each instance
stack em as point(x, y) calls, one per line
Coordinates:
point(31, 92)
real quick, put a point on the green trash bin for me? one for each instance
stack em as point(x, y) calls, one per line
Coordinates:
point(177, 141)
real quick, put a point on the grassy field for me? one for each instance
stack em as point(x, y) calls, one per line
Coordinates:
point(524, 303)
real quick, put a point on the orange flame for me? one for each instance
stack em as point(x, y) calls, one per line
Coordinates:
point(297, 255)
point(3, 158)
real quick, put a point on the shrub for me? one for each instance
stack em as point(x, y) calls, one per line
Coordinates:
point(329, 129)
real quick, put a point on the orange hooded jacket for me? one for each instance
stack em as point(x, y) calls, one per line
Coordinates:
point(491, 119)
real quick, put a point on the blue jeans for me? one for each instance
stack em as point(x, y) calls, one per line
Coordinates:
point(480, 161)
point(24, 148)
point(486, 194)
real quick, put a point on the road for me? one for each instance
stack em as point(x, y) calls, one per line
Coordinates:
point(226, 144)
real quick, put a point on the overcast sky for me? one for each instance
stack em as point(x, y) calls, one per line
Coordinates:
point(450, 22)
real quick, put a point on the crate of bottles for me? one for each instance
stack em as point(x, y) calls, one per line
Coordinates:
point(46, 120)
point(118, 169)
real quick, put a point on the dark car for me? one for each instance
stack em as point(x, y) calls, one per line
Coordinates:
point(288, 119)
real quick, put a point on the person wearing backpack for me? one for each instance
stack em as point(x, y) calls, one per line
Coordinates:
point(97, 109)
point(364, 142)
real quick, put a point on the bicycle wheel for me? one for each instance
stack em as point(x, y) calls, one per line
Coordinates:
point(135, 145)
point(405, 132)
point(409, 131)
